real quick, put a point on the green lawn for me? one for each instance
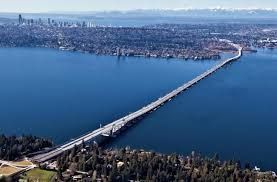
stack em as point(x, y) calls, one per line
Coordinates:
point(40, 175)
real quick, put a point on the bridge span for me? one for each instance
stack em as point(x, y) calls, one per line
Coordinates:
point(115, 126)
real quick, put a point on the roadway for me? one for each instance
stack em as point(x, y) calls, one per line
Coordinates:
point(118, 124)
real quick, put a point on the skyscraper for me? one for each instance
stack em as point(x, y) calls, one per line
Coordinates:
point(84, 24)
point(20, 19)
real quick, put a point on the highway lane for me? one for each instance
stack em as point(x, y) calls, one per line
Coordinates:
point(123, 121)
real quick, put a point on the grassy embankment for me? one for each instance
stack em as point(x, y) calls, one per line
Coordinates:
point(40, 175)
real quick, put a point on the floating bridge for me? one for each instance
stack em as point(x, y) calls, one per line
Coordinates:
point(116, 126)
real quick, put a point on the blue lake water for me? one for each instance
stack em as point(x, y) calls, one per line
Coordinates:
point(232, 113)
point(62, 95)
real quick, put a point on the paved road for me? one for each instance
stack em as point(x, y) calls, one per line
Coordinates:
point(18, 167)
point(116, 125)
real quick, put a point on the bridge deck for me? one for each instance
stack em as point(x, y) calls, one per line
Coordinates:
point(123, 121)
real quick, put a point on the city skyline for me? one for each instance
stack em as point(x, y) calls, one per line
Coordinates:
point(37, 6)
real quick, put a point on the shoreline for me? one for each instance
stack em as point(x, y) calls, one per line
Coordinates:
point(196, 58)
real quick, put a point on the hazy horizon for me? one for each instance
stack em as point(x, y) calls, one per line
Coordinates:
point(130, 10)
point(45, 6)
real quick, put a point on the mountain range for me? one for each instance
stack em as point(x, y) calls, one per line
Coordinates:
point(207, 13)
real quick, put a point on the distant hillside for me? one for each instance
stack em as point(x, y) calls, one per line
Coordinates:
point(5, 20)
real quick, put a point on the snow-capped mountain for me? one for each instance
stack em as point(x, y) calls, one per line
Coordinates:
point(212, 12)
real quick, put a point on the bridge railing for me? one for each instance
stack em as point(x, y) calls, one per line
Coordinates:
point(149, 107)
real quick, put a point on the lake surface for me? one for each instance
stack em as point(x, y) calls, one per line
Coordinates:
point(61, 95)
point(232, 113)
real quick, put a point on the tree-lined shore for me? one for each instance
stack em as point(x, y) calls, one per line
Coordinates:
point(89, 162)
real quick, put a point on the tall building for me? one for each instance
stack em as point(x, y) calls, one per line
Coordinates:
point(118, 51)
point(84, 24)
point(20, 19)
point(49, 21)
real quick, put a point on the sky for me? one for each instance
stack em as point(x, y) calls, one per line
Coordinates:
point(100, 5)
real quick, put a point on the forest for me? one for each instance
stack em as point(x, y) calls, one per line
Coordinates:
point(12, 147)
point(88, 163)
